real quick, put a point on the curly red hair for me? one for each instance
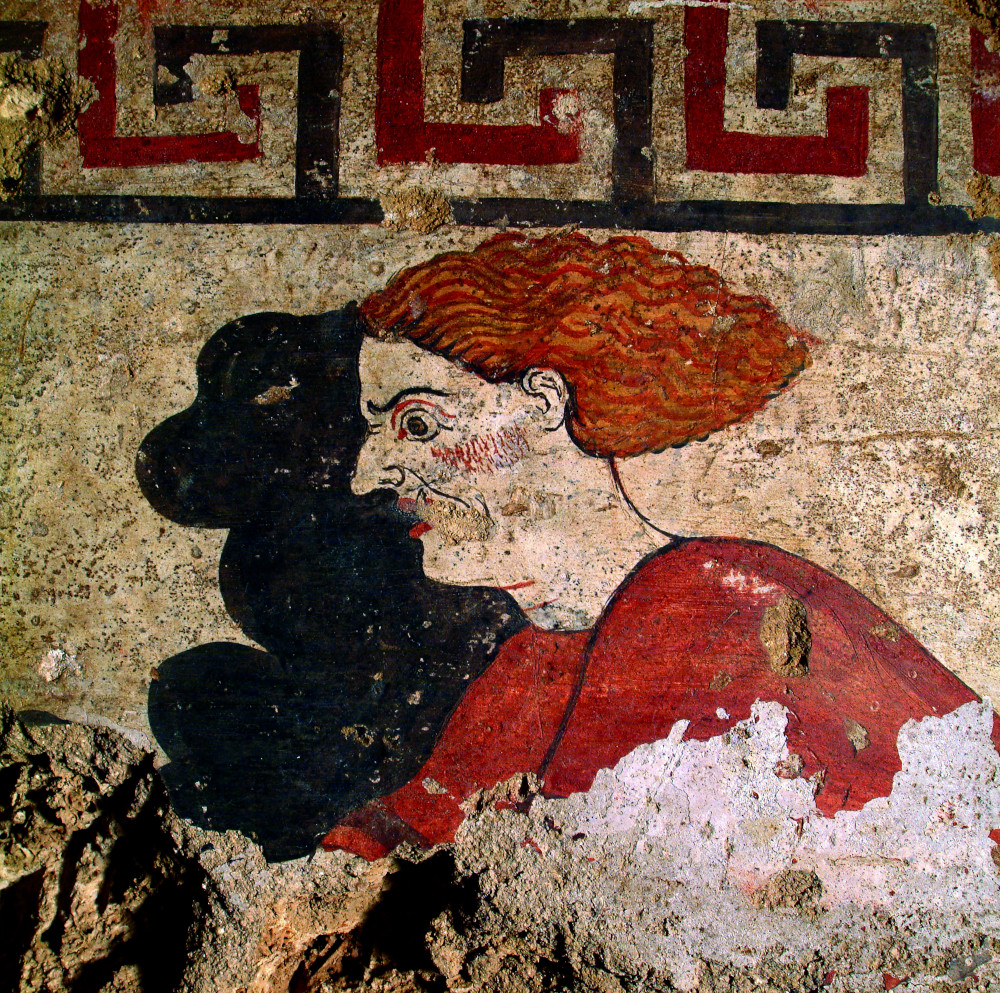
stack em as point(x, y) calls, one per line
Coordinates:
point(655, 351)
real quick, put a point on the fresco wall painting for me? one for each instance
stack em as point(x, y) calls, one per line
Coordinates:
point(408, 401)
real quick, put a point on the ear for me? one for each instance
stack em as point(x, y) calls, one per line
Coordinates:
point(550, 391)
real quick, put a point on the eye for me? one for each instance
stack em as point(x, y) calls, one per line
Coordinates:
point(418, 425)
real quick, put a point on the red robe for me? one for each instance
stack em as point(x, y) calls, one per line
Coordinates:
point(680, 640)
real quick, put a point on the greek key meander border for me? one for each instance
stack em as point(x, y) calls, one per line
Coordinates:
point(631, 204)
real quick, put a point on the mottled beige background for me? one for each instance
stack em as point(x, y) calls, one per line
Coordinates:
point(881, 464)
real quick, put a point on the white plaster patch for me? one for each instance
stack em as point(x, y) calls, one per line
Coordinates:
point(744, 583)
point(927, 841)
point(688, 831)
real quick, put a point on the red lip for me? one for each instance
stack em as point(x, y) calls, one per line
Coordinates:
point(408, 505)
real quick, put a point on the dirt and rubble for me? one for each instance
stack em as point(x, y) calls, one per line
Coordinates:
point(103, 888)
point(40, 101)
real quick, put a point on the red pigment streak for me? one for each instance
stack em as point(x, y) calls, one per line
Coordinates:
point(538, 606)
point(422, 528)
point(486, 453)
point(518, 586)
point(891, 982)
point(985, 100)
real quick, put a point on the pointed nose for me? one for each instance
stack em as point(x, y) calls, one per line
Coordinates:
point(373, 469)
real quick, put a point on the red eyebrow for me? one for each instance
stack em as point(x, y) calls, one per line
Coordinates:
point(426, 403)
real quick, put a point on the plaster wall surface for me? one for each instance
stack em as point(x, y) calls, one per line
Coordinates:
point(694, 862)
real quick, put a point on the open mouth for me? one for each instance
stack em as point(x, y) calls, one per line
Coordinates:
point(452, 518)
point(408, 505)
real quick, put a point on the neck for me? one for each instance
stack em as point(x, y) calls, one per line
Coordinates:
point(583, 550)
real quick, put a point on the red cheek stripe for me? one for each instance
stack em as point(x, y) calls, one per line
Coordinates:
point(486, 453)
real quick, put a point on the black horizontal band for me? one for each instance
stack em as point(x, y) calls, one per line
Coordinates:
point(761, 217)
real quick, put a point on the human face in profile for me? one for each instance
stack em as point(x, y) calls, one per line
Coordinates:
point(462, 454)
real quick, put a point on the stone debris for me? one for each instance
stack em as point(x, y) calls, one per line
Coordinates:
point(95, 890)
point(640, 883)
point(856, 733)
point(40, 101)
point(794, 888)
point(414, 209)
point(784, 633)
point(58, 663)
